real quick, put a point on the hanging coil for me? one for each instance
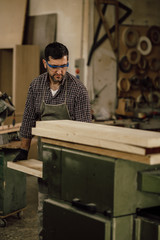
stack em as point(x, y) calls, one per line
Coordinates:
point(144, 45)
point(133, 56)
point(154, 34)
point(130, 37)
point(124, 65)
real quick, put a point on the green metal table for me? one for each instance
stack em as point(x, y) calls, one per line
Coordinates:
point(95, 196)
point(12, 187)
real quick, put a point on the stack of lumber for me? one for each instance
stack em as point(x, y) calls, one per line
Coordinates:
point(8, 132)
point(124, 142)
point(118, 142)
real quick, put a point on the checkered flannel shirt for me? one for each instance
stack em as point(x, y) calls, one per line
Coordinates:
point(77, 101)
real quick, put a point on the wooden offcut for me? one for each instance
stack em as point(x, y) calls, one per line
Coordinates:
point(31, 166)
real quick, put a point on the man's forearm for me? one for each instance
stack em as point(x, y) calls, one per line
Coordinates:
point(25, 143)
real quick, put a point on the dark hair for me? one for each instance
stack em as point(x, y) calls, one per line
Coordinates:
point(56, 50)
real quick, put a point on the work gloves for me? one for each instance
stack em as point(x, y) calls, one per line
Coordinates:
point(22, 155)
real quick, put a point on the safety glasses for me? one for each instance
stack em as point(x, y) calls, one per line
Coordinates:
point(58, 66)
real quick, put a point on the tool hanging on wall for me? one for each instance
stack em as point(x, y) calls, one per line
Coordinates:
point(141, 83)
point(113, 42)
point(96, 43)
point(154, 64)
point(142, 66)
point(144, 75)
point(133, 56)
point(130, 37)
point(124, 65)
point(123, 85)
point(144, 45)
point(154, 34)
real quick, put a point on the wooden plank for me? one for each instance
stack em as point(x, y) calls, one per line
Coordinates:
point(148, 159)
point(135, 137)
point(44, 25)
point(9, 128)
point(12, 145)
point(6, 59)
point(154, 159)
point(12, 20)
point(88, 140)
point(32, 167)
point(24, 55)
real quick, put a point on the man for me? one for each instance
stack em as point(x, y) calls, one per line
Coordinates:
point(55, 94)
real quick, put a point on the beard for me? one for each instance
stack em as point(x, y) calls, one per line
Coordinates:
point(56, 78)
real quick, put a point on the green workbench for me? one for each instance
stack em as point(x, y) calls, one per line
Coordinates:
point(80, 180)
point(12, 187)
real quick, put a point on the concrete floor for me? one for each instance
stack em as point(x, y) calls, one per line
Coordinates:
point(27, 227)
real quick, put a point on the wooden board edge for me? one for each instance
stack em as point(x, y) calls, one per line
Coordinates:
point(87, 140)
point(100, 151)
point(28, 170)
point(154, 158)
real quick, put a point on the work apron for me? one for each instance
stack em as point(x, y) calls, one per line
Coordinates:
point(52, 112)
point(49, 112)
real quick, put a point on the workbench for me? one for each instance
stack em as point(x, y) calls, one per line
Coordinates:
point(12, 183)
point(96, 191)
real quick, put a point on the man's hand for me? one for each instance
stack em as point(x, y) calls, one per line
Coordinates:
point(22, 155)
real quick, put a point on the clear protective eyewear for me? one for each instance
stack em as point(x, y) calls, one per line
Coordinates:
point(58, 66)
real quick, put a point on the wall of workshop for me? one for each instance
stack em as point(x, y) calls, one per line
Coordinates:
point(77, 23)
point(104, 62)
point(70, 31)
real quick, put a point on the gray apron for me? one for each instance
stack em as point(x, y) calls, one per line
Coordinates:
point(52, 112)
point(55, 112)
point(49, 112)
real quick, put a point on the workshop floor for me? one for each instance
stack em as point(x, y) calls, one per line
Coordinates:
point(27, 227)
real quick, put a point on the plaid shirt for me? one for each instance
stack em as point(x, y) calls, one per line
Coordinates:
point(74, 92)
